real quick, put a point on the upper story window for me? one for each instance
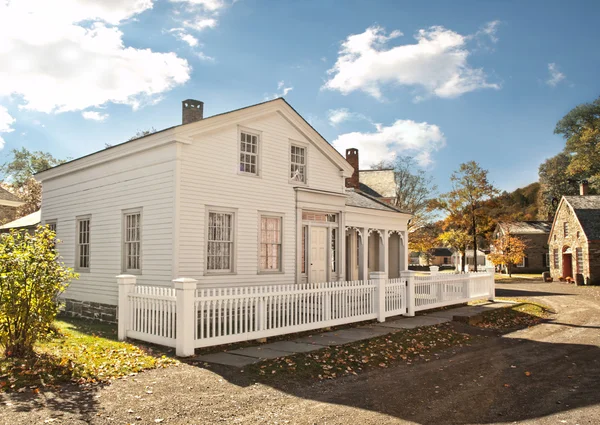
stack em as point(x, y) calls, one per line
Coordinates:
point(566, 228)
point(132, 241)
point(270, 244)
point(249, 145)
point(219, 251)
point(298, 163)
point(82, 254)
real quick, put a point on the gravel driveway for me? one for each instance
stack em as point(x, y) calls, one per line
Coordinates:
point(548, 374)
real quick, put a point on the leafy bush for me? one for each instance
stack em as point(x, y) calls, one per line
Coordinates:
point(31, 279)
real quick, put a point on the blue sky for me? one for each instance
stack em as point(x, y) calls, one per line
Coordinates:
point(446, 82)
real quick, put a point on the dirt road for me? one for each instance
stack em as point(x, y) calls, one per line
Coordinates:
point(548, 374)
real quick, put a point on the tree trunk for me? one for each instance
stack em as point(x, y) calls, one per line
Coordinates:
point(463, 260)
point(509, 270)
point(474, 239)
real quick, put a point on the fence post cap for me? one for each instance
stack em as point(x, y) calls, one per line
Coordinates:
point(377, 275)
point(124, 279)
point(408, 273)
point(184, 283)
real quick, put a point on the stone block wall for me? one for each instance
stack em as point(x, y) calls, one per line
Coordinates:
point(575, 239)
point(594, 266)
point(90, 310)
point(537, 248)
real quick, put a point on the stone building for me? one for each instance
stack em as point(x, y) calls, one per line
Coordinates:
point(575, 239)
point(8, 206)
point(535, 235)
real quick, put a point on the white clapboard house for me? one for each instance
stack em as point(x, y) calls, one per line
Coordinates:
point(252, 196)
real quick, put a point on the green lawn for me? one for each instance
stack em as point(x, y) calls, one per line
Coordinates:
point(521, 315)
point(79, 352)
point(517, 277)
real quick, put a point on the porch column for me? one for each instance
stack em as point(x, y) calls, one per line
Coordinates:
point(384, 259)
point(364, 259)
point(404, 265)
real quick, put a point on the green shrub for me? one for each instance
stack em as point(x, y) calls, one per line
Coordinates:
point(31, 279)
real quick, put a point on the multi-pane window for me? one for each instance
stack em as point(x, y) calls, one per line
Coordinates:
point(51, 225)
point(270, 243)
point(566, 228)
point(83, 244)
point(579, 255)
point(298, 164)
point(555, 252)
point(132, 241)
point(248, 153)
point(546, 259)
point(220, 242)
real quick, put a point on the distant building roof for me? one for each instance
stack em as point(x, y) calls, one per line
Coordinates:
point(527, 227)
point(362, 200)
point(380, 183)
point(5, 195)
point(30, 220)
point(442, 252)
point(587, 210)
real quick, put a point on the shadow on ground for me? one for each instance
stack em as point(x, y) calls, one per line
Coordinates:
point(497, 379)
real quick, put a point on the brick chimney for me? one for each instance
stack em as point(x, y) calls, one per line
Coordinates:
point(352, 158)
point(583, 187)
point(191, 111)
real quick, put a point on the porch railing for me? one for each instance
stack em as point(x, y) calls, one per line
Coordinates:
point(186, 317)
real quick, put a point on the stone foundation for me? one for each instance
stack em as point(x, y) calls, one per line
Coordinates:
point(89, 310)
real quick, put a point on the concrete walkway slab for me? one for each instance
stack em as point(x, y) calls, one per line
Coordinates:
point(260, 352)
point(228, 359)
point(414, 322)
point(292, 347)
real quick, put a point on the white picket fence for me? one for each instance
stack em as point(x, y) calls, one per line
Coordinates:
point(187, 317)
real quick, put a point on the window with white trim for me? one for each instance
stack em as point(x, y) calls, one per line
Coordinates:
point(523, 262)
point(566, 228)
point(556, 258)
point(248, 153)
point(219, 253)
point(298, 163)
point(51, 225)
point(270, 243)
point(83, 244)
point(132, 241)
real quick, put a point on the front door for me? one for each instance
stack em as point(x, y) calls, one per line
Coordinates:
point(318, 254)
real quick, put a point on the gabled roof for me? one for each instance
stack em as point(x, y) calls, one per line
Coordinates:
point(587, 211)
point(527, 227)
point(30, 220)
point(380, 183)
point(5, 195)
point(182, 133)
point(359, 199)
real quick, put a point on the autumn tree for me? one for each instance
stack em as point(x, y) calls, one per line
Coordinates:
point(423, 240)
point(18, 177)
point(414, 190)
point(457, 239)
point(508, 250)
point(465, 202)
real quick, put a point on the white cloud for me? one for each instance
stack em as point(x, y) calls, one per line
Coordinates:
point(55, 65)
point(282, 91)
point(437, 64)
point(200, 23)
point(403, 137)
point(338, 116)
point(204, 13)
point(210, 5)
point(555, 75)
point(490, 29)
point(94, 116)
point(6, 122)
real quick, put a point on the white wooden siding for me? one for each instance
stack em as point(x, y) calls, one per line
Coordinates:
point(209, 177)
point(145, 180)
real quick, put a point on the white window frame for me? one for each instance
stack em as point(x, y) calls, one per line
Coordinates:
point(280, 216)
point(300, 145)
point(78, 244)
point(258, 135)
point(233, 253)
point(124, 241)
point(579, 251)
point(50, 223)
point(548, 259)
point(556, 258)
point(565, 229)
point(522, 263)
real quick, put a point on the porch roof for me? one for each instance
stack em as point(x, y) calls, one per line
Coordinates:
point(360, 199)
